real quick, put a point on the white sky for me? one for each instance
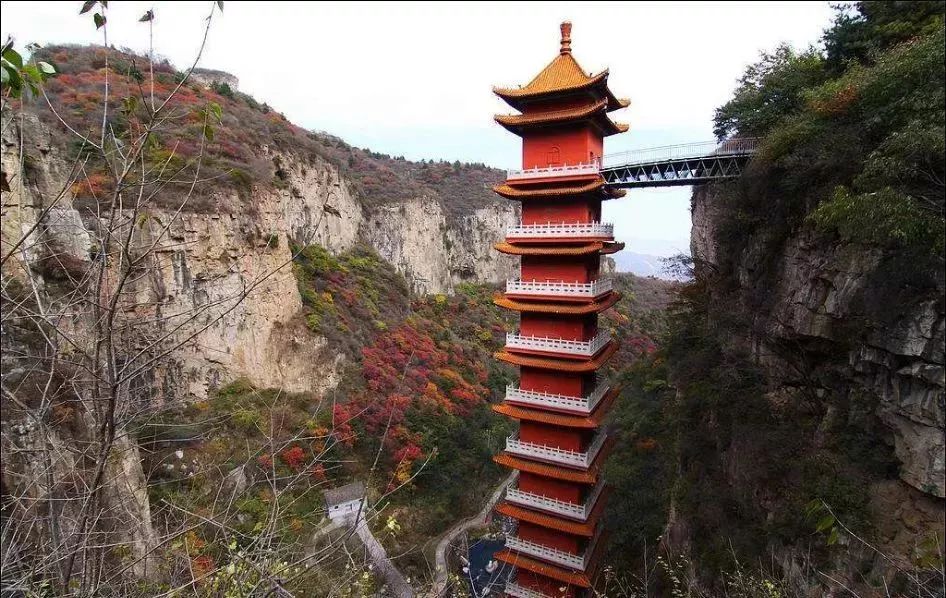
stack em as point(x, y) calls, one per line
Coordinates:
point(414, 79)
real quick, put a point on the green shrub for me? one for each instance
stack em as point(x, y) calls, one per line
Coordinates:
point(246, 419)
point(885, 217)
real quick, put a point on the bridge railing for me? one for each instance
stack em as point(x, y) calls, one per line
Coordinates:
point(666, 153)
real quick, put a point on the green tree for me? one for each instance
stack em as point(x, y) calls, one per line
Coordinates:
point(768, 91)
point(858, 34)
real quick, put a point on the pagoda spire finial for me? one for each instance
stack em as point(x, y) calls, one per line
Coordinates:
point(566, 28)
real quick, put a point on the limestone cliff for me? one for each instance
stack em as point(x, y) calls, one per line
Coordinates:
point(433, 255)
point(821, 288)
point(209, 256)
point(833, 326)
point(220, 291)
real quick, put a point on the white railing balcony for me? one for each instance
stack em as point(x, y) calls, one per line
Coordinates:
point(547, 553)
point(588, 348)
point(561, 230)
point(514, 589)
point(573, 290)
point(561, 170)
point(583, 405)
point(554, 505)
point(554, 454)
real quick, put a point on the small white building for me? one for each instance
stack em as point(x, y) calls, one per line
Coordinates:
point(345, 501)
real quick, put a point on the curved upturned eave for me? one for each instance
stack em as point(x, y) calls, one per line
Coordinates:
point(561, 365)
point(597, 306)
point(610, 248)
point(546, 117)
point(569, 526)
point(530, 93)
point(517, 559)
point(520, 123)
point(567, 82)
point(602, 247)
point(597, 189)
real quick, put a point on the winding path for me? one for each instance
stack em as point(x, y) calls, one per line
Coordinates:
point(440, 557)
point(397, 584)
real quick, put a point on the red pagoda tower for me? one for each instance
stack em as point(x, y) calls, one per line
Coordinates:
point(558, 495)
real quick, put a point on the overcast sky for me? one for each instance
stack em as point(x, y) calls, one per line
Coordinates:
point(415, 79)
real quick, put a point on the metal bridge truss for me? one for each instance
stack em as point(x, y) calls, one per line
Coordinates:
point(686, 171)
point(677, 165)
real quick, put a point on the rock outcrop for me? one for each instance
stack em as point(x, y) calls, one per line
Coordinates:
point(212, 257)
point(215, 281)
point(820, 291)
point(208, 77)
point(810, 304)
point(461, 252)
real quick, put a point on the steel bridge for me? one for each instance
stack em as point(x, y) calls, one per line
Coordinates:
point(678, 165)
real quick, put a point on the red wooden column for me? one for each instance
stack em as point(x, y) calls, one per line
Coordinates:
point(559, 402)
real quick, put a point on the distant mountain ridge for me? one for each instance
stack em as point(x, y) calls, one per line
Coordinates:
point(644, 264)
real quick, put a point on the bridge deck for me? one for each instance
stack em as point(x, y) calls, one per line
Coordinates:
point(677, 165)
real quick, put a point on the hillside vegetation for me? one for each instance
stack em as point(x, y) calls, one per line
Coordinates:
point(764, 465)
point(854, 135)
point(231, 154)
point(411, 417)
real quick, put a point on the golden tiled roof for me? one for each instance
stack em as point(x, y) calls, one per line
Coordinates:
point(583, 249)
point(561, 365)
point(594, 420)
point(550, 471)
point(517, 559)
point(545, 192)
point(596, 110)
point(511, 192)
point(597, 306)
point(551, 116)
point(561, 76)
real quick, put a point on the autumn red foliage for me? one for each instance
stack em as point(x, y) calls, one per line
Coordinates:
point(293, 457)
point(244, 152)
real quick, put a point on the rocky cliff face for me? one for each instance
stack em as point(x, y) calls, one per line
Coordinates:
point(811, 303)
point(821, 289)
point(221, 292)
point(209, 257)
point(434, 255)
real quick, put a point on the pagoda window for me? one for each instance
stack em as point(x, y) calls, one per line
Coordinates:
point(554, 156)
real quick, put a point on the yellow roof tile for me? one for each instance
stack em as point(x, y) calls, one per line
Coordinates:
point(596, 306)
point(561, 365)
point(518, 559)
point(596, 111)
point(562, 75)
point(583, 249)
point(508, 191)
